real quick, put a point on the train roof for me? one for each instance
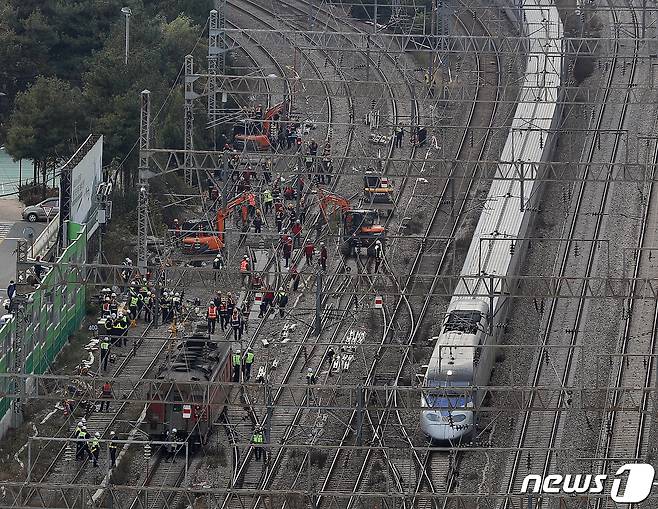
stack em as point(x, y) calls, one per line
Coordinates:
point(197, 358)
point(537, 115)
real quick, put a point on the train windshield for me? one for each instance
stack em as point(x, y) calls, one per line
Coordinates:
point(463, 321)
point(445, 394)
point(446, 403)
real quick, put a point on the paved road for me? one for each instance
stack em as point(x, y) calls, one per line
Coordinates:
point(11, 227)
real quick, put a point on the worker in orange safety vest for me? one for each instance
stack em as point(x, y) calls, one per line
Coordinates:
point(212, 317)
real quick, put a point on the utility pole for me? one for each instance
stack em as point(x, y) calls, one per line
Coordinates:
point(127, 13)
point(188, 108)
point(216, 59)
point(142, 202)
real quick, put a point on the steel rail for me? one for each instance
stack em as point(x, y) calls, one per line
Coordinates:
point(542, 353)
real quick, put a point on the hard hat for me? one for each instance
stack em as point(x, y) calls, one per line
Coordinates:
point(84, 421)
point(152, 294)
point(378, 242)
point(238, 351)
point(97, 434)
point(297, 221)
point(114, 294)
point(80, 424)
point(113, 315)
point(310, 370)
point(107, 299)
point(165, 294)
point(173, 430)
point(112, 433)
point(210, 302)
point(177, 294)
point(322, 243)
point(84, 427)
point(245, 256)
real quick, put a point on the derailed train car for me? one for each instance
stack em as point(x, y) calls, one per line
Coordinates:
point(184, 399)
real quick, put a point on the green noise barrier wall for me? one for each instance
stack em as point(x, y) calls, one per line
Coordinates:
point(56, 312)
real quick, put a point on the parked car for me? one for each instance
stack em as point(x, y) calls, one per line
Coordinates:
point(43, 211)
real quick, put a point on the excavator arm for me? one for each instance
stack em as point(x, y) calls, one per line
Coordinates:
point(327, 199)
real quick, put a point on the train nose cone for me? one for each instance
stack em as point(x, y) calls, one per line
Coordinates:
point(446, 429)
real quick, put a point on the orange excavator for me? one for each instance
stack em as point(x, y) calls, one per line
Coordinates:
point(213, 242)
point(254, 134)
point(361, 227)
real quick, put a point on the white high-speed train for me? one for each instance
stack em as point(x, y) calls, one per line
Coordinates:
point(464, 354)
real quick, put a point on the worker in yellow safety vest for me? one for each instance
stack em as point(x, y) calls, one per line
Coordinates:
point(236, 359)
point(248, 361)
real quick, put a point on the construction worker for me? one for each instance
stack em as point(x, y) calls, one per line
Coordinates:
point(76, 435)
point(124, 327)
point(309, 249)
point(223, 314)
point(292, 213)
point(303, 209)
point(106, 396)
point(263, 304)
point(230, 304)
point(257, 440)
point(313, 148)
point(323, 256)
point(171, 448)
point(105, 352)
point(251, 199)
point(112, 450)
point(165, 306)
point(294, 275)
point(282, 298)
point(212, 317)
point(236, 361)
point(279, 216)
point(149, 299)
point(331, 353)
point(310, 376)
point(297, 234)
point(268, 200)
point(114, 305)
point(379, 255)
point(244, 270)
point(248, 362)
point(95, 448)
point(258, 222)
point(82, 443)
point(399, 133)
point(177, 304)
point(106, 308)
point(109, 327)
point(370, 254)
point(236, 325)
point(218, 262)
point(268, 299)
point(287, 249)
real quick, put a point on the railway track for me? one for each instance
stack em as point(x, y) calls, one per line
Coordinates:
point(346, 481)
point(538, 433)
point(138, 362)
